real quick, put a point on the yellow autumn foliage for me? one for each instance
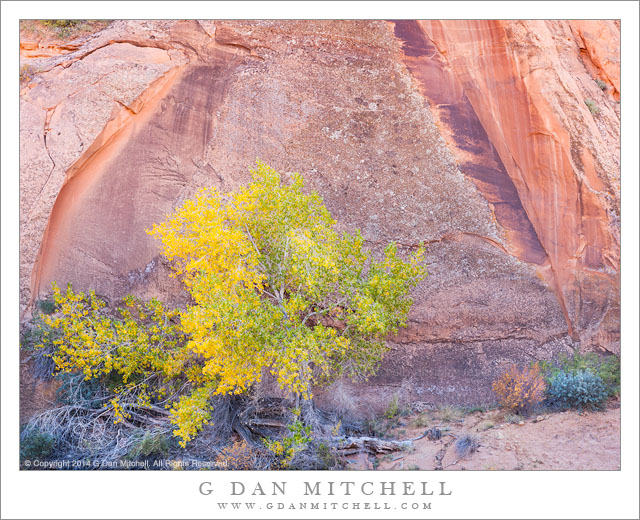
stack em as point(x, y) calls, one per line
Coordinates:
point(274, 287)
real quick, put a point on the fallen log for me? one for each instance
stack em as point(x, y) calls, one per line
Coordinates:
point(371, 445)
point(376, 446)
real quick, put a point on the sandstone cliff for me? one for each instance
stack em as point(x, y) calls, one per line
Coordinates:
point(471, 136)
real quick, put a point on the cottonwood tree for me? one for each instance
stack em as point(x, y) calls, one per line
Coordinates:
point(276, 287)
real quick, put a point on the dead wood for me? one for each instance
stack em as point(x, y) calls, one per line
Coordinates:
point(371, 445)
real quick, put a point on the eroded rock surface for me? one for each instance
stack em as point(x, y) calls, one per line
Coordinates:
point(511, 97)
point(474, 139)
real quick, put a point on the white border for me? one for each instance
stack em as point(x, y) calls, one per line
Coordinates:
point(174, 494)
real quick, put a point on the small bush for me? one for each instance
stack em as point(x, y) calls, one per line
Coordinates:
point(580, 390)
point(420, 421)
point(238, 456)
point(609, 371)
point(286, 448)
point(61, 23)
point(449, 414)
point(485, 425)
point(36, 339)
point(593, 108)
point(32, 335)
point(392, 409)
point(47, 306)
point(328, 457)
point(74, 389)
point(512, 418)
point(64, 28)
point(36, 445)
point(601, 84)
point(465, 445)
point(520, 390)
point(316, 455)
point(607, 368)
point(151, 444)
point(26, 73)
point(434, 434)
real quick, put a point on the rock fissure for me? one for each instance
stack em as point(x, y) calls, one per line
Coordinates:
point(45, 134)
point(467, 340)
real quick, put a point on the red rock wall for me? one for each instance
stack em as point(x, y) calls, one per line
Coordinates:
point(471, 136)
point(511, 103)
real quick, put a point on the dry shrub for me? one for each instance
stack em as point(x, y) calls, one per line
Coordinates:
point(519, 390)
point(84, 433)
point(238, 456)
point(420, 421)
point(466, 444)
point(449, 414)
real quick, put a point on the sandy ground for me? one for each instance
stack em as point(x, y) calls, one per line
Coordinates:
point(553, 441)
point(557, 441)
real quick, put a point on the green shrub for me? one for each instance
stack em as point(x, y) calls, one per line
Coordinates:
point(38, 332)
point(286, 448)
point(392, 409)
point(582, 389)
point(61, 23)
point(476, 408)
point(47, 306)
point(601, 84)
point(36, 445)
point(150, 444)
point(32, 335)
point(37, 338)
point(609, 371)
point(593, 108)
point(74, 389)
point(607, 368)
point(65, 28)
point(328, 457)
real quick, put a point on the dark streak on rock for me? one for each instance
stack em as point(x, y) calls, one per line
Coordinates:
point(483, 165)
